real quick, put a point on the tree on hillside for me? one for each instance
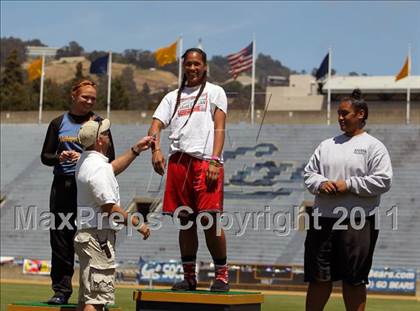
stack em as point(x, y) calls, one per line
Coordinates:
point(56, 96)
point(146, 60)
point(141, 58)
point(267, 66)
point(13, 70)
point(102, 91)
point(155, 98)
point(9, 44)
point(233, 88)
point(95, 54)
point(79, 72)
point(173, 67)
point(219, 69)
point(129, 85)
point(234, 93)
point(314, 70)
point(12, 92)
point(145, 97)
point(119, 97)
point(73, 49)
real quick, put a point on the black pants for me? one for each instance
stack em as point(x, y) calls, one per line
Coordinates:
point(63, 199)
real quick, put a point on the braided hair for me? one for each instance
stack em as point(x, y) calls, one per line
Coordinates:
point(358, 103)
point(184, 82)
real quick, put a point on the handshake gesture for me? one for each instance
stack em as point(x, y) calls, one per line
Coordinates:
point(144, 143)
point(333, 187)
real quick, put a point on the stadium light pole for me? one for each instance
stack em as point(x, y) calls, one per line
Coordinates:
point(42, 51)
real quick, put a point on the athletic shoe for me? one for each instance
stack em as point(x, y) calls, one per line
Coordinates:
point(185, 285)
point(219, 286)
point(57, 300)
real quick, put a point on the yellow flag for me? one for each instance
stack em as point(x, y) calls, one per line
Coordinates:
point(35, 69)
point(166, 55)
point(404, 71)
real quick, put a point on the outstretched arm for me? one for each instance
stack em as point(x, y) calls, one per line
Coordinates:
point(124, 160)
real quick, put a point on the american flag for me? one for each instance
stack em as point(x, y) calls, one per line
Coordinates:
point(240, 61)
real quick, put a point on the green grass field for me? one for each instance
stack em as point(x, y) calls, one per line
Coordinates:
point(14, 292)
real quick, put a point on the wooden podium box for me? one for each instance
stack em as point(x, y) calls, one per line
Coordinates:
point(42, 306)
point(200, 300)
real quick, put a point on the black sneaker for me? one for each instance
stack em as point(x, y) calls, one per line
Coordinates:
point(57, 300)
point(185, 286)
point(219, 286)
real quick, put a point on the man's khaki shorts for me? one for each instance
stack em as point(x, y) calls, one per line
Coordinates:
point(96, 269)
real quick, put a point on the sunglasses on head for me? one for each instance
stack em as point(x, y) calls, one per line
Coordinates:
point(83, 83)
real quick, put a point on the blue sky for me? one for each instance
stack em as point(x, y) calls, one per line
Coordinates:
point(370, 37)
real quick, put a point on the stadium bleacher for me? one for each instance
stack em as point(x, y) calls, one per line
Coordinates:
point(260, 176)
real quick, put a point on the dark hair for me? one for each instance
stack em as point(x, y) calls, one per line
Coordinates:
point(184, 82)
point(197, 50)
point(358, 103)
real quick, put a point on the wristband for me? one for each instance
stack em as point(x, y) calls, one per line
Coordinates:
point(216, 158)
point(135, 152)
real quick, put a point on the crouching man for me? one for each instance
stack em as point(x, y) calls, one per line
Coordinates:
point(97, 198)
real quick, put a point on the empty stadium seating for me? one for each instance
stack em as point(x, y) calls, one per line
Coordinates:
point(260, 175)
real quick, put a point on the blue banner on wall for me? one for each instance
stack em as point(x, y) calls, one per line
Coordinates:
point(167, 272)
point(392, 280)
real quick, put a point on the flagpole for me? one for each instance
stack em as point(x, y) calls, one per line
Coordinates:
point(407, 118)
point(108, 101)
point(201, 47)
point(179, 60)
point(329, 87)
point(41, 91)
point(253, 79)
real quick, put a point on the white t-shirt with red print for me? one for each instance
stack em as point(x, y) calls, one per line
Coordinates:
point(197, 136)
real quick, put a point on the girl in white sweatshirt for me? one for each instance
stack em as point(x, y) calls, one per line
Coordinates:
point(347, 174)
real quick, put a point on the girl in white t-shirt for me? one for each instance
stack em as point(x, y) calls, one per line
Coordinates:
point(195, 115)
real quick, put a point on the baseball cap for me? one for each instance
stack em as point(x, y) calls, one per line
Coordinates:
point(90, 131)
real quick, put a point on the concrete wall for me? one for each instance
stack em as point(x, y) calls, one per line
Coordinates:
point(300, 95)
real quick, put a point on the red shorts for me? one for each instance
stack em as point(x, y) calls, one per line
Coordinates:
point(186, 186)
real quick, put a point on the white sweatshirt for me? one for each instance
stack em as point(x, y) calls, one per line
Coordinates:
point(362, 161)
